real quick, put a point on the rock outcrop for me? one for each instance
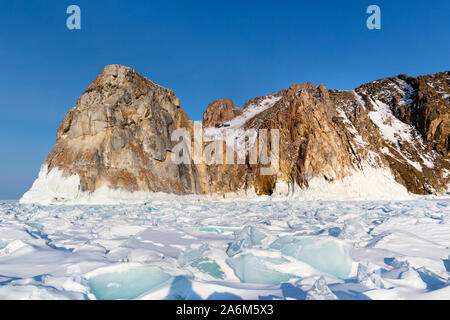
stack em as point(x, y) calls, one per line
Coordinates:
point(118, 136)
point(219, 112)
point(400, 123)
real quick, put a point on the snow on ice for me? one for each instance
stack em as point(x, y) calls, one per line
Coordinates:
point(259, 249)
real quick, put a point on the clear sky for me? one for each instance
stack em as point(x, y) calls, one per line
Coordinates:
point(203, 50)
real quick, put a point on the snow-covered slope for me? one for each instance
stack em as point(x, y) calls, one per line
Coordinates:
point(370, 184)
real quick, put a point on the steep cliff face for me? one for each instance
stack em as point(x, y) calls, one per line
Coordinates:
point(391, 135)
point(400, 124)
point(118, 137)
point(412, 119)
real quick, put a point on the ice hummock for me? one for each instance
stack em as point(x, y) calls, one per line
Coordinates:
point(320, 291)
point(52, 252)
point(248, 237)
point(196, 258)
point(328, 255)
point(251, 269)
point(192, 254)
point(369, 278)
point(128, 283)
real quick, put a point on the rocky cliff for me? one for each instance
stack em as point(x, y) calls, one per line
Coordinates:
point(118, 137)
point(389, 132)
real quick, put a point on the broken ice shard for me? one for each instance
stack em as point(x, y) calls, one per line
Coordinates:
point(248, 237)
point(326, 254)
point(320, 291)
point(192, 254)
point(126, 284)
point(369, 279)
point(251, 269)
point(195, 258)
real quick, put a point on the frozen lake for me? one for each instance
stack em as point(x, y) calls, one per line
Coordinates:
point(226, 250)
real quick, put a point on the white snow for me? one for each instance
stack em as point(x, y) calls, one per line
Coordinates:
point(252, 110)
point(396, 132)
point(233, 132)
point(51, 186)
point(367, 184)
point(393, 130)
point(288, 249)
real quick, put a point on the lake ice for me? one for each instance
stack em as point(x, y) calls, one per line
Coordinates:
point(226, 250)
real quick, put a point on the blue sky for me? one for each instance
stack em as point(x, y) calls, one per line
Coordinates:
point(203, 50)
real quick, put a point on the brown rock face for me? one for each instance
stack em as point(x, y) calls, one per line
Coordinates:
point(399, 123)
point(311, 143)
point(220, 111)
point(418, 153)
point(118, 135)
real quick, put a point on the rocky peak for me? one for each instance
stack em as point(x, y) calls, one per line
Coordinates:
point(220, 111)
point(118, 136)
